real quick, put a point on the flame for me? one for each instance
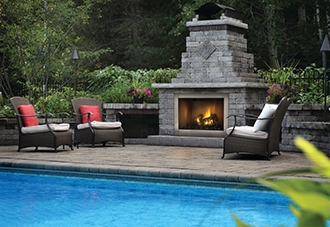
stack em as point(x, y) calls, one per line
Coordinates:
point(207, 114)
point(206, 119)
point(208, 122)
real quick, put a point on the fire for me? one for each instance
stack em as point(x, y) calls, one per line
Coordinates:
point(208, 119)
point(207, 114)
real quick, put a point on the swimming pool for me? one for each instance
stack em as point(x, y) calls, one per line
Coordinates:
point(47, 200)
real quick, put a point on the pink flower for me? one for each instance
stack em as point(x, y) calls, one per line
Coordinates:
point(139, 92)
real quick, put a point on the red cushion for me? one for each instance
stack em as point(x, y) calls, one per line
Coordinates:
point(31, 118)
point(93, 109)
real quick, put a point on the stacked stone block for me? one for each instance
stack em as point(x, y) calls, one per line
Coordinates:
point(215, 54)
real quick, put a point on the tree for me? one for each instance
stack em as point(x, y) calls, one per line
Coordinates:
point(37, 42)
point(285, 30)
point(138, 32)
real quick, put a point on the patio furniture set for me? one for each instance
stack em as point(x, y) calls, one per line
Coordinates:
point(89, 127)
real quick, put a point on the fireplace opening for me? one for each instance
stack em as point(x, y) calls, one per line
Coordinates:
point(200, 114)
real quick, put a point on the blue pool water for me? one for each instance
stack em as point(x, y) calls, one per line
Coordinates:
point(44, 200)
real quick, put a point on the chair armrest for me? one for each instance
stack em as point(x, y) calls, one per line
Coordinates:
point(118, 115)
point(88, 117)
point(246, 116)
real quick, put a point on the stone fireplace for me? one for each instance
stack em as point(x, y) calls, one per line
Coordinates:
point(216, 70)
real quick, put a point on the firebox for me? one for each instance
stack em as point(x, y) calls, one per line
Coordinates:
point(200, 114)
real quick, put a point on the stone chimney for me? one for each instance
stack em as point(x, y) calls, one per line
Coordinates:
point(216, 52)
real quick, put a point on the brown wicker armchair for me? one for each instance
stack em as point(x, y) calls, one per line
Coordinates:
point(263, 138)
point(91, 128)
point(32, 134)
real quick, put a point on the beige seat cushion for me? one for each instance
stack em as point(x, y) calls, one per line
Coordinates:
point(247, 131)
point(101, 125)
point(43, 128)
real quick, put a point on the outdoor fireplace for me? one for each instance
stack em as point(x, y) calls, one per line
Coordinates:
point(217, 80)
point(200, 115)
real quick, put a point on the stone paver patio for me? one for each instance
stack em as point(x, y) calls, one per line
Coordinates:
point(154, 161)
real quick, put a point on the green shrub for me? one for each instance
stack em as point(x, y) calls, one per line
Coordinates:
point(102, 80)
point(301, 85)
point(59, 101)
point(108, 85)
point(112, 82)
point(310, 90)
point(7, 111)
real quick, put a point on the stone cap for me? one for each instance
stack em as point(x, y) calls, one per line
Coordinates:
point(224, 20)
point(129, 106)
point(210, 85)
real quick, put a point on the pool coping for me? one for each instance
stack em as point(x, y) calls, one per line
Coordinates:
point(145, 174)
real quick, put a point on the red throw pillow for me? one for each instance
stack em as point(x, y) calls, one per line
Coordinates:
point(30, 118)
point(93, 109)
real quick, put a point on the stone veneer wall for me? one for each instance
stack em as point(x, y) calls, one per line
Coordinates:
point(138, 120)
point(240, 101)
point(306, 121)
point(8, 131)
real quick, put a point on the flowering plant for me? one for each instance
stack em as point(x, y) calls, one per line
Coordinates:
point(139, 92)
point(275, 92)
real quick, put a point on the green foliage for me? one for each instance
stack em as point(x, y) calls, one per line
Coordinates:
point(304, 86)
point(57, 102)
point(102, 80)
point(7, 111)
point(310, 89)
point(112, 82)
point(272, 25)
point(310, 200)
point(37, 42)
point(117, 94)
point(108, 85)
point(282, 75)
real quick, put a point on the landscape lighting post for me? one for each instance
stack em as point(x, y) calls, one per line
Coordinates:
point(75, 57)
point(324, 49)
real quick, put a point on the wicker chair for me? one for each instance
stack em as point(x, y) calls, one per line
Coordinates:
point(35, 135)
point(91, 128)
point(262, 141)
